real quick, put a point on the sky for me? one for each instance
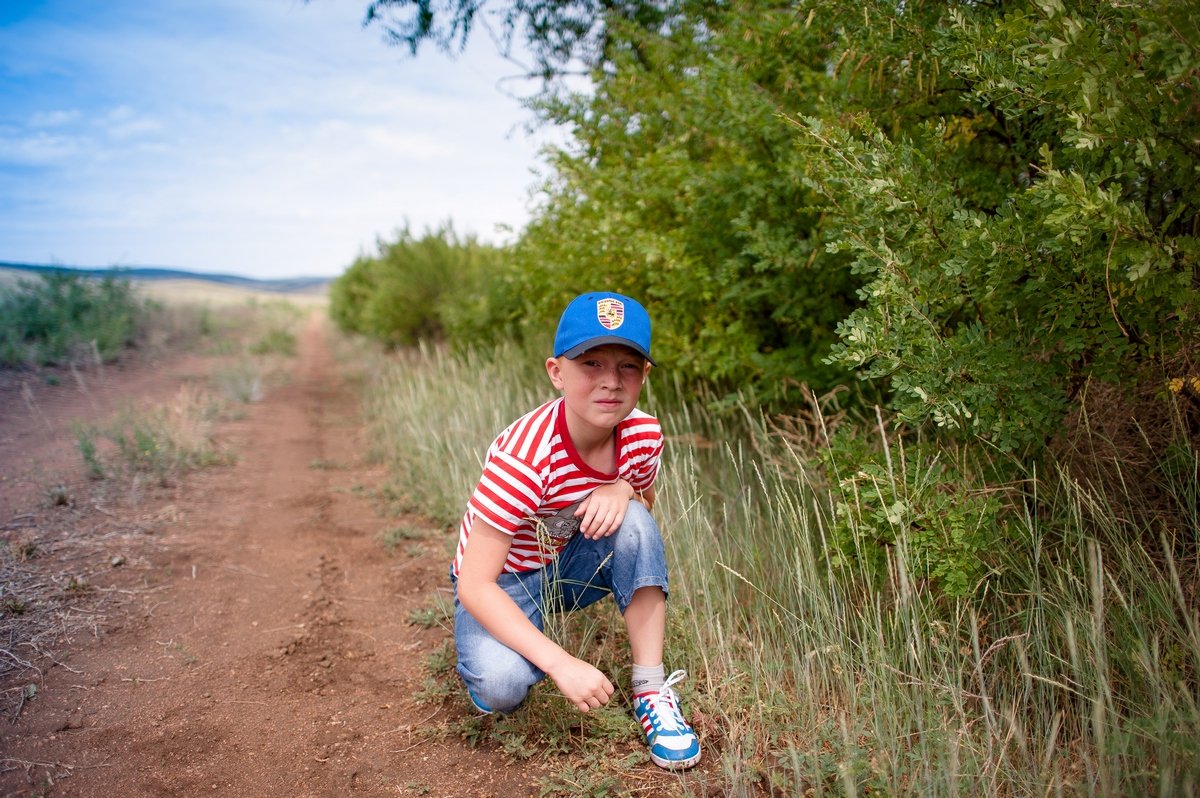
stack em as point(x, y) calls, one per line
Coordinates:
point(265, 138)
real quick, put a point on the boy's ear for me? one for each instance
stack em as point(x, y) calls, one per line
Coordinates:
point(554, 370)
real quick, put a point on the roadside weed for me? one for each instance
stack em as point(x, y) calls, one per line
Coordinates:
point(275, 341)
point(58, 495)
point(392, 537)
point(241, 381)
point(85, 439)
point(439, 613)
point(587, 780)
point(24, 549)
point(13, 605)
point(161, 442)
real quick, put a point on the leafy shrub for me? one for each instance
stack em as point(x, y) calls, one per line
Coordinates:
point(911, 505)
point(47, 320)
point(416, 289)
point(1024, 224)
point(684, 188)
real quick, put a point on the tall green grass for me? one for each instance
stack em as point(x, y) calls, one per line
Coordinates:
point(1073, 673)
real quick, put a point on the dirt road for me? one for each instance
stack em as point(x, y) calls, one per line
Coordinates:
point(261, 644)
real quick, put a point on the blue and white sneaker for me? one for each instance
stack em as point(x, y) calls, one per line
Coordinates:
point(673, 743)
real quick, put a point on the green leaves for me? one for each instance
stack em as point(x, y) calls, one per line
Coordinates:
point(684, 187)
point(995, 293)
point(421, 289)
point(63, 316)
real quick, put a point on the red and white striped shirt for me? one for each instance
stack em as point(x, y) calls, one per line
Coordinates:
point(532, 472)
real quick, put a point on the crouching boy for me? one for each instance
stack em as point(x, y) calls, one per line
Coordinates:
point(560, 519)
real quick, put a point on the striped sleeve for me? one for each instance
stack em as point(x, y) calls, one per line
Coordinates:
point(508, 493)
point(641, 450)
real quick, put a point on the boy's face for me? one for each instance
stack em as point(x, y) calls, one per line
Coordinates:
point(601, 386)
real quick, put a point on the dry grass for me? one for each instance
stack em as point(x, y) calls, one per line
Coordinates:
point(218, 294)
point(68, 565)
point(64, 572)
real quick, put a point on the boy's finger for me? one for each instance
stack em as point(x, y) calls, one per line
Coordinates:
point(588, 521)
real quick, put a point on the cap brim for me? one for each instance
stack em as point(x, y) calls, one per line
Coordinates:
point(592, 343)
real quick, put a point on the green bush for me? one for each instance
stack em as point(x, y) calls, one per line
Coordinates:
point(417, 289)
point(684, 188)
point(50, 319)
point(1017, 186)
point(914, 505)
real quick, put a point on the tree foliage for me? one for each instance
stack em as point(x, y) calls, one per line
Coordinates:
point(561, 35)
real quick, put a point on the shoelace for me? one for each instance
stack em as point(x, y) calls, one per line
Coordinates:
point(673, 720)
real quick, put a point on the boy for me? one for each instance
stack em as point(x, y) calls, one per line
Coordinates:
point(560, 519)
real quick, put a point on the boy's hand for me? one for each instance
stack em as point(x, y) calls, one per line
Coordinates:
point(602, 512)
point(581, 684)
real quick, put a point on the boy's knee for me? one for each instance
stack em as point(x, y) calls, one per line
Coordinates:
point(498, 691)
point(639, 528)
point(638, 519)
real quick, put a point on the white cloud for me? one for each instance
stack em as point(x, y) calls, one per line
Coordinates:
point(37, 148)
point(124, 123)
point(54, 118)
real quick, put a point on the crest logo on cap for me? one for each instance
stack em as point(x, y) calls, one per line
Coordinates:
point(610, 312)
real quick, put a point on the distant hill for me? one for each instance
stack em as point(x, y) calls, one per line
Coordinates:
point(294, 285)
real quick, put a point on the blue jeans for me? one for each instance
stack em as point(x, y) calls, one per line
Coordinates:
point(586, 571)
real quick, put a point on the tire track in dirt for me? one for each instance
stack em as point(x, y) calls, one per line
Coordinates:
point(268, 650)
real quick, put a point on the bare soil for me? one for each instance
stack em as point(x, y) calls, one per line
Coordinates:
point(240, 632)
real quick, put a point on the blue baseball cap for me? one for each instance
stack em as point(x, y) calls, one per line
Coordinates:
point(602, 317)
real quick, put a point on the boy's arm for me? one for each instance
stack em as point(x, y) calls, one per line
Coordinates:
point(487, 548)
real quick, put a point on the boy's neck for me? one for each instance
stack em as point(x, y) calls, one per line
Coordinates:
point(593, 444)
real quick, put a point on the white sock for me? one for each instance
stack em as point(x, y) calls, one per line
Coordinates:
point(648, 678)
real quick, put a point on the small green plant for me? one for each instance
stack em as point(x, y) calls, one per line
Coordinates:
point(440, 681)
point(85, 440)
point(78, 585)
point(573, 781)
point(13, 605)
point(913, 502)
point(276, 341)
point(321, 464)
point(392, 537)
point(142, 446)
point(186, 656)
point(437, 614)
